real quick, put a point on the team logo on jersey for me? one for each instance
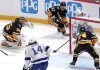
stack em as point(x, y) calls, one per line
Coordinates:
point(72, 7)
point(29, 6)
point(51, 3)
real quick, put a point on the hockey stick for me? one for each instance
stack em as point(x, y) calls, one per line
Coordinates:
point(4, 52)
point(60, 47)
point(7, 53)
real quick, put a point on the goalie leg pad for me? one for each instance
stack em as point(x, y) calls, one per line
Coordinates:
point(8, 38)
point(3, 43)
point(20, 40)
point(12, 44)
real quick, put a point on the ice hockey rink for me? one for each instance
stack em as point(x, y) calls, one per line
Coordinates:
point(47, 35)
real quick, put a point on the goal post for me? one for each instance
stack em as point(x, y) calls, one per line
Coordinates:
point(74, 22)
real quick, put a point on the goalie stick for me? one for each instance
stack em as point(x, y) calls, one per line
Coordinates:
point(60, 47)
point(4, 52)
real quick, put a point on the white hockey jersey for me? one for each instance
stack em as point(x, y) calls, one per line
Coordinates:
point(36, 54)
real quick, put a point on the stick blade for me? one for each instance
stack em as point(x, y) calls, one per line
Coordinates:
point(55, 51)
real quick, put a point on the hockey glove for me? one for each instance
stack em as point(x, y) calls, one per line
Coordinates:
point(67, 24)
point(25, 69)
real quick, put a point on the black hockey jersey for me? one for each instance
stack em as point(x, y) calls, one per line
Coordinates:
point(56, 11)
point(86, 37)
point(13, 28)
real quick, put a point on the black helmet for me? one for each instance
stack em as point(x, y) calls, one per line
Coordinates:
point(82, 29)
point(62, 4)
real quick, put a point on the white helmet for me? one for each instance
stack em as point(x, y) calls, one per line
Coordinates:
point(78, 12)
point(31, 40)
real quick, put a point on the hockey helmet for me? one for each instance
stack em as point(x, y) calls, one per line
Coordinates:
point(32, 41)
point(82, 29)
point(62, 4)
point(21, 20)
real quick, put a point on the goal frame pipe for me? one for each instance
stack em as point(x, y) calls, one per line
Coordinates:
point(70, 28)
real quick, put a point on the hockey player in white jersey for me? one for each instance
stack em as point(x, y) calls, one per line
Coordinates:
point(36, 55)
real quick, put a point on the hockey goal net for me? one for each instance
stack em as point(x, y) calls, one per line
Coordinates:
point(91, 24)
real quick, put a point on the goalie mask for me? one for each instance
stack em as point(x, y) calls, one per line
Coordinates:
point(21, 20)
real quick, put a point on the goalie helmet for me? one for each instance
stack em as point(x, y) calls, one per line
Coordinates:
point(21, 20)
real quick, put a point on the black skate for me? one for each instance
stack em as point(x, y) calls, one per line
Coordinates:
point(97, 68)
point(72, 64)
point(65, 34)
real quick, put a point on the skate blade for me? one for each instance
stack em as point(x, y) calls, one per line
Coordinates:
point(72, 66)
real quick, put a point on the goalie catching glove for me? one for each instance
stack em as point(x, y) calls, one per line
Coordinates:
point(30, 25)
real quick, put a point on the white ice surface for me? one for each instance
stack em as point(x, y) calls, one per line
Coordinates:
point(44, 34)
